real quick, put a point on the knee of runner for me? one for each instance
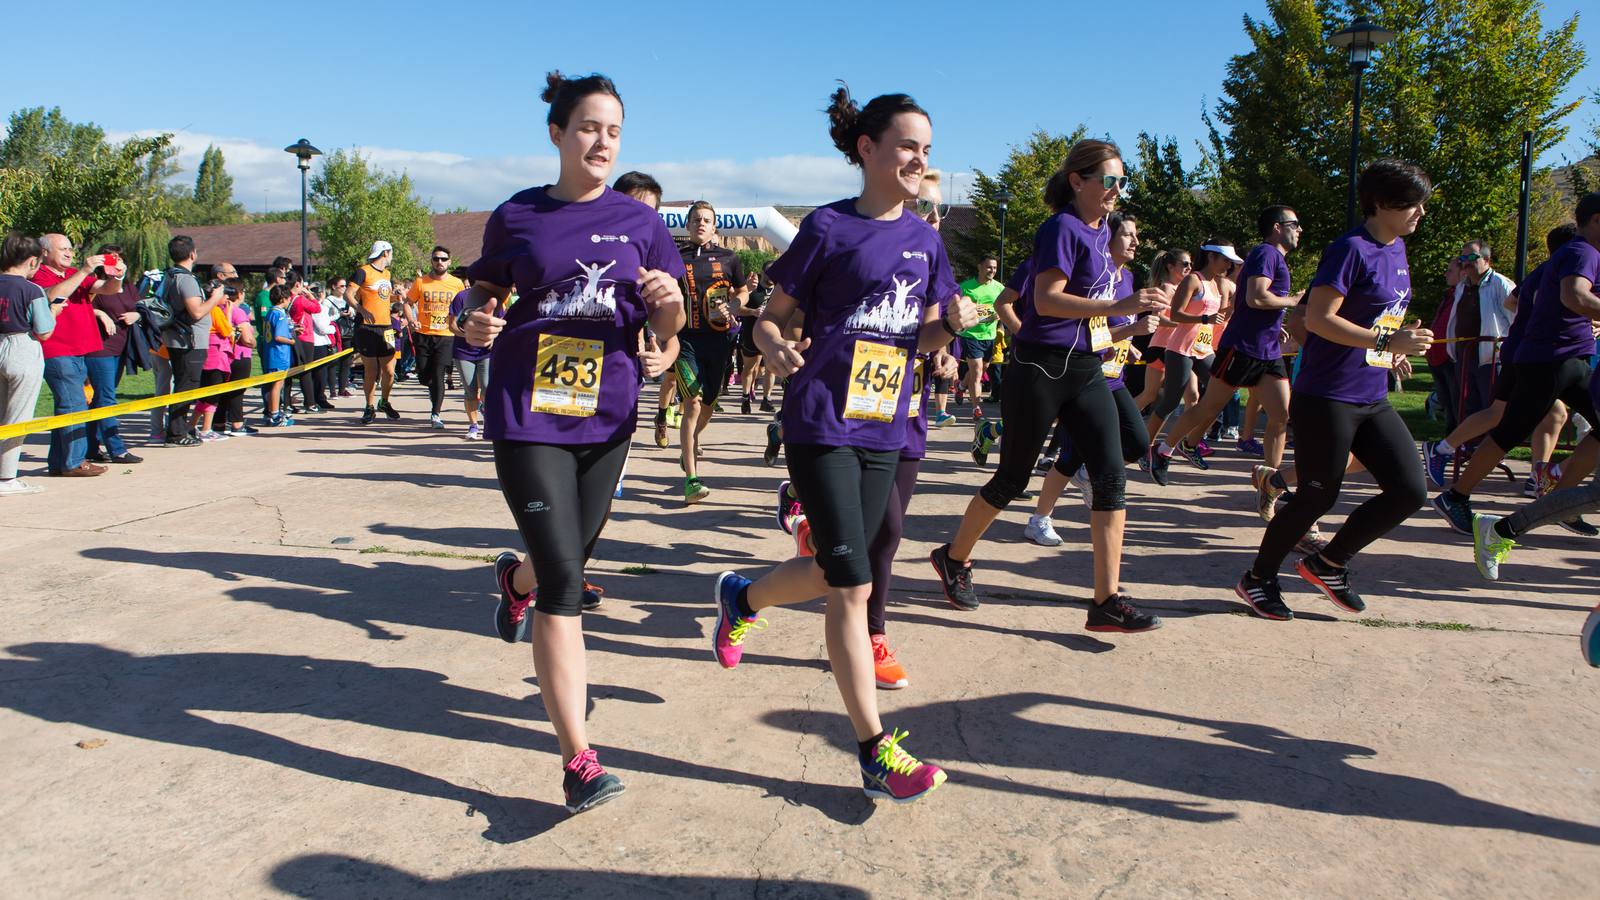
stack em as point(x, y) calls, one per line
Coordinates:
point(1106, 491)
point(560, 590)
point(1000, 490)
point(845, 566)
point(1061, 463)
point(1316, 495)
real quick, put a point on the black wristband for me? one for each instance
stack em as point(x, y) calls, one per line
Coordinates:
point(948, 330)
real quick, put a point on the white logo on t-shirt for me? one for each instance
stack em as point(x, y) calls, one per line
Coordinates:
point(597, 238)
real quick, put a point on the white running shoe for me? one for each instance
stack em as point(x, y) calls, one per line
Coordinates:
point(18, 487)
point(1080, 479)
point(1042, 531)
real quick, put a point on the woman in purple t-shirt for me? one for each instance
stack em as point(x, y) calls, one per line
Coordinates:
point(1355, 336)
point(591, 267)
point(1056, 373)
point(873, 283)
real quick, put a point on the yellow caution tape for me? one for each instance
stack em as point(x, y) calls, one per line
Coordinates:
point(50, 423)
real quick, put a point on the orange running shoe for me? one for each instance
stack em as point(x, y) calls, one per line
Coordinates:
point(802, 536)
point(890, 674)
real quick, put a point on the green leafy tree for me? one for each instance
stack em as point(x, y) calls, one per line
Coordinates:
point(1453, 93)
point(755, 260)
point(212, 201)
point(1583, 176)
point(1164, 197)
point(355, 204)
point(36, 136)
point(1027, 167)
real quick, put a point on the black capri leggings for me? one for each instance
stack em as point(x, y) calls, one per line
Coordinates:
point(560, 497)
point(845, 492)
point(887, 541)
point(1178, 366)
point(1134, 436)
point(232, 403)
point(1326, 432)
point(1044, 384)
point(1536, 389)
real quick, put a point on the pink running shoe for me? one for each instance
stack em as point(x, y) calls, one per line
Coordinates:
point(727, 638)
point(1203, 448)
point(894, 774)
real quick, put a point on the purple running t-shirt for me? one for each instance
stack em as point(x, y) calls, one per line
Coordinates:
point(1251, 331)
point(1067, 243)
point(1555, 332)
point(1527, 292)
point(565, 368)
point(1375, 281)
point(863, 285)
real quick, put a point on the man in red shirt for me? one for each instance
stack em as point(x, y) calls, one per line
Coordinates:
point(80, 330)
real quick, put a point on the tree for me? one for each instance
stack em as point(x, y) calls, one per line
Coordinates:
point(212, 200)
point(1027, 168)
point(1163, 196)
point(1453, 94)
point(355, 205)
point(61, 176)
point(1583, 176)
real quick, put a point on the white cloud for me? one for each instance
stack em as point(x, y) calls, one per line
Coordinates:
point(266, 174)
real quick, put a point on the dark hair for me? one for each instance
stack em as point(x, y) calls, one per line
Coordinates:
point(18, 249)
point(988, 256)
point(1559, 236)
point(1117, 219)
point(108, 248)
point(1483, 248)
point(440, 248)
point(1269, 219)
point(563, 94)
point(1158, 266)
point(1588, 208)
point(180, 248)
point(1084, 157)
point(292, 278)
point(1392, 184)
point(282, 262)
point(637, 183)
point(700, 204)
point(847, 122)
point(278, 294)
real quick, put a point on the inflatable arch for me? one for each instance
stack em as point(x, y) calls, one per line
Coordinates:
point(751, 221)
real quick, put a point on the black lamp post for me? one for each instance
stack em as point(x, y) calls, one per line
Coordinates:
point(303, 151)
point(1005, 201)
point(1359, 40)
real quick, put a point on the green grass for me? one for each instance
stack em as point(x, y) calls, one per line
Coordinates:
point(1432, 626)
point(435, 554)
point(638, 570)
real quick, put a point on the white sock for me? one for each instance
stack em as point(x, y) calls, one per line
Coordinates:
point(1164, 448)
point(1443, 448)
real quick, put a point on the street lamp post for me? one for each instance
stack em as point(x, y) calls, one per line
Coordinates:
point(1005, 202)
point(303, 151)
point(1359, 40)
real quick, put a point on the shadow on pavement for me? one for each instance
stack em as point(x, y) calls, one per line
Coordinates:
point(333, 875)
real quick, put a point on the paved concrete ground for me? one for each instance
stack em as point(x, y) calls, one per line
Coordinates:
point(266, 666)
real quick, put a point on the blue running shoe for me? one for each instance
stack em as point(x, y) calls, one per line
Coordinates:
point(1434, 463)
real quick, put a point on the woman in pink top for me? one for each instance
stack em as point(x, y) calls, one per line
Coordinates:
point(219, 363)
point(244, 334)
point(1173, 267)
point(1189, 346)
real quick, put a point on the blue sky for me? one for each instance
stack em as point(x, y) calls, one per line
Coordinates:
point(723, 99)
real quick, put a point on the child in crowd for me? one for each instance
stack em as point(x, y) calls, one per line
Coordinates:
point(277, 352)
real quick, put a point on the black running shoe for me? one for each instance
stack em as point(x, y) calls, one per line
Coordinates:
point(766, 406)
point(388, 410)
point(1457, 512)
point(511, 614)
point(1264, 597)
point(368, 415)
point(1332, 581)
point(774, 443)
point(1156, 465)
point(586, 784)
point(744, 405)
point(955, 578)
point(1119, 614)
point(1192, 454)
point(591, 596)
point(1578, 526)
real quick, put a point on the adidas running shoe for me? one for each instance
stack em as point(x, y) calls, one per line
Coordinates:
point(1332, 581)
point(1264, 597)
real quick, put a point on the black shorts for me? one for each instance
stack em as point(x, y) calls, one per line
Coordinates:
point(702, 366)
point(1241, 370)
point(374, 341)
point(976, 348)
point(1539, 386)
point(1505, 383)
point(747, 339)
point(845, 491)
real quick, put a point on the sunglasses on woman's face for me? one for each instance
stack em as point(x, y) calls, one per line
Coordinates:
point(1118, 182)
point(926, 208)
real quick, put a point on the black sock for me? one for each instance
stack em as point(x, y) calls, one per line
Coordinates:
point(868, 749)
point(1455, 496)
point(1278, 481)
point(742, 603)
point(1504, 529)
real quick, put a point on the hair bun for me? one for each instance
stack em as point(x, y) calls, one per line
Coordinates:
point(553, 82)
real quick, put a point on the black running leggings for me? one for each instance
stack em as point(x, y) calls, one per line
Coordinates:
point(434, 354)
point(560, 497)
point(1326, 432)
point(232, 403)
point(845, 492)
point(1045, 384)
point(1559, 506)
point(887, 541)
point(1176, 380)
point(1134, 435)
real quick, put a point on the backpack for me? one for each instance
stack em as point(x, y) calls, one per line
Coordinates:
point(159, 310)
